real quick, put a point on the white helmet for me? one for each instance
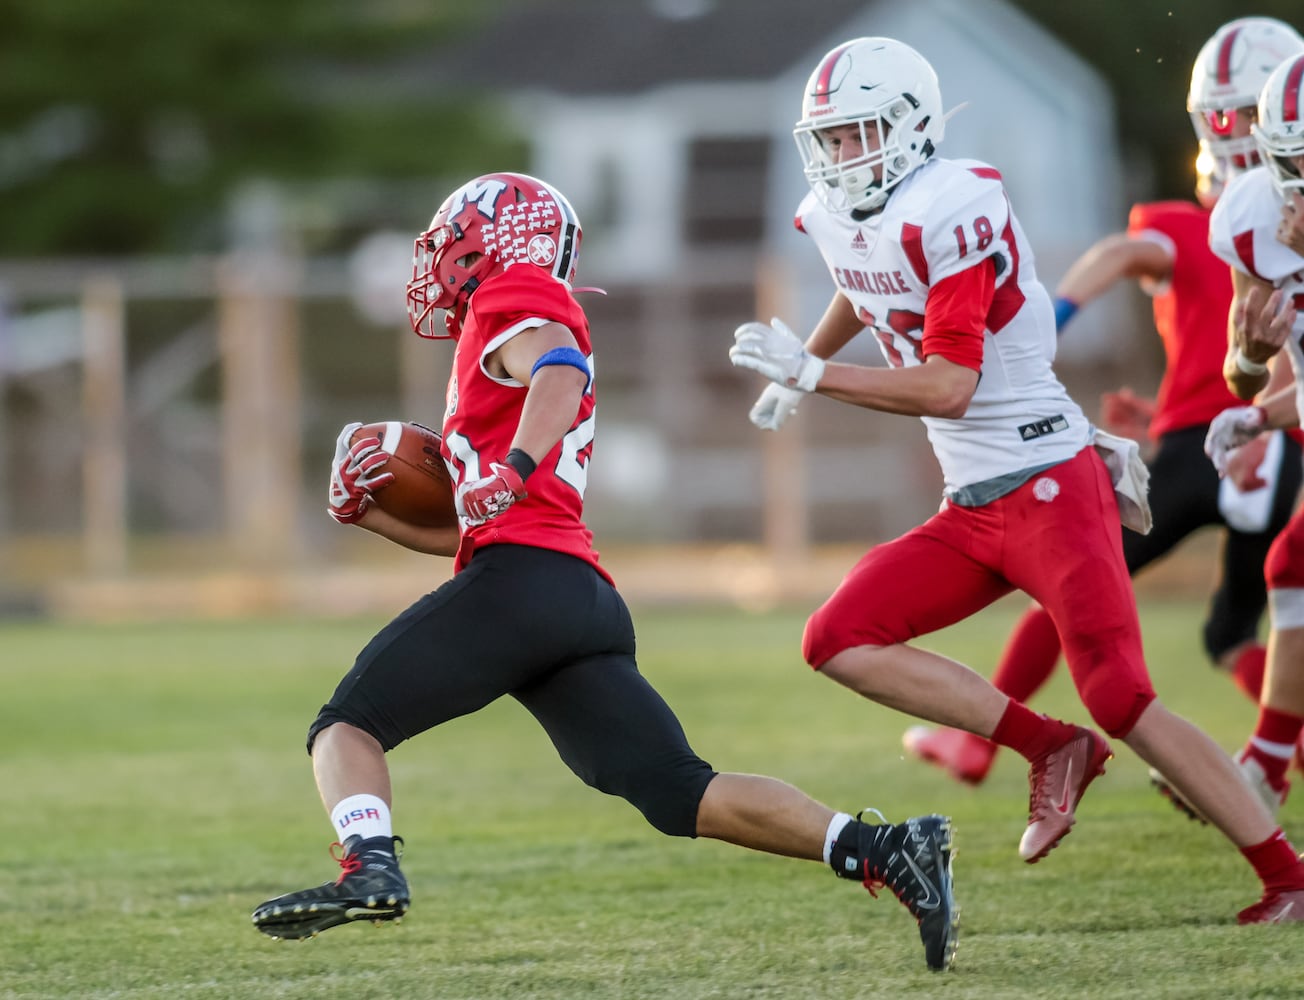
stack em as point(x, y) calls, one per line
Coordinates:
point(1228, 75)
point(891, 91)
point(1279, 132)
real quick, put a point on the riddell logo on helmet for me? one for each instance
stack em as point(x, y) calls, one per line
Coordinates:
point(542, 250)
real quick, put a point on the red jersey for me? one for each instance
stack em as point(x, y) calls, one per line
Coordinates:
point(1190, 315)
point(483, 411)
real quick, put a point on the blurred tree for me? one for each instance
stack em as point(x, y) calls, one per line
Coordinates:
point(1146, 51)
point(126, 124)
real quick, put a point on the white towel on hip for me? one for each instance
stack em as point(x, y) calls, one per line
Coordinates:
point(1131, 479)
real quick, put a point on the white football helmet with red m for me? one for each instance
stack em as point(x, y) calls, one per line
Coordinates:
point(891, 91)
point(1226, 79)
point(1279, 132)
point(484, 227)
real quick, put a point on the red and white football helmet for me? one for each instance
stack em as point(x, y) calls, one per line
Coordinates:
point(890, 90)
point(1279, 132)
point(484, 227)
point(1226, 79)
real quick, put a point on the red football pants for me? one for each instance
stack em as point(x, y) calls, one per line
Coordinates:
point(1056, 537)
point(1284, 571)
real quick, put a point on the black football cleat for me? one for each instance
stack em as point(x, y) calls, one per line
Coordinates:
point(370, 887)
point(913, 860)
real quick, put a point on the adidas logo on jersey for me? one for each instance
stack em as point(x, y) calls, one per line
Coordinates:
point(858, 241)
point(1051, 425)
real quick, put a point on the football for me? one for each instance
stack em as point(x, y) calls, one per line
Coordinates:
point(422, 490)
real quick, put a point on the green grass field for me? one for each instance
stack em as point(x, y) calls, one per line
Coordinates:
point(156, 789)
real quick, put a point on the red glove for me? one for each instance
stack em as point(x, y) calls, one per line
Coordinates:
point(354, 477)
point(486, 498)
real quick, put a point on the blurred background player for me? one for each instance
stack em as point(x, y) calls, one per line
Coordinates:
point(530, 612)
point(1166, 250)
point(926, 254)
point(1268, 314)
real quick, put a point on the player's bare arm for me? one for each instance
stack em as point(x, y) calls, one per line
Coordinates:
point(1279, 409)
point(836, 328)
point(554, 389)
point(1110, 260)
point(1259, 323)
point(937, 388)
point(431, 541)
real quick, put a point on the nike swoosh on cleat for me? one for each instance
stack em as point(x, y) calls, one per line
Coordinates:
point(933, 899)
point(1062, 807)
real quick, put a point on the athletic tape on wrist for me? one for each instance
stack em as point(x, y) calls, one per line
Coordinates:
point(521, 462)
point(1249, 367)
point(564, 356)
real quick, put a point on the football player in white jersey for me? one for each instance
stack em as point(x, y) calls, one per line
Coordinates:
point(1166, 249)
point(1251, 230)
point(926, 255)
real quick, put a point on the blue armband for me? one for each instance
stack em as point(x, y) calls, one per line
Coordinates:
point(1065, 309)
point(565, 356)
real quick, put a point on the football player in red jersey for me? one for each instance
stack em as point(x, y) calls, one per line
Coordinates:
point(1267, 319)
point(1166, 249)
point(927, 255)
point(530, 612)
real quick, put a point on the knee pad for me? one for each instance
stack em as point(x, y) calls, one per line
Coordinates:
point(668, 795)
point(1113, 692)
point(830, 630)
point(1284, 571)
point(1284, 567)
point(328, 717)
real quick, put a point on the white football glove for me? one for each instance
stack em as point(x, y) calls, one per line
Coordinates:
point(1231, 429)
point(775, 405)
point(355, 474)
point(777, 353)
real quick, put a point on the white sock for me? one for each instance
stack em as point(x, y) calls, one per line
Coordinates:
point(364, 816)
point(836, 825)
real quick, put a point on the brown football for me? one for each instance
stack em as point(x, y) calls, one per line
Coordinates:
point(422, 491)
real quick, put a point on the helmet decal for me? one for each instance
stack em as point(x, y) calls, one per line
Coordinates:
point(1290, 96)
point(541, 250)
point(483, 192)
point(1224, 71)
point(823, 79)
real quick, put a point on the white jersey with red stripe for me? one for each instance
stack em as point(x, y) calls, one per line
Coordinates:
point(1243, 232)
point(945, 217)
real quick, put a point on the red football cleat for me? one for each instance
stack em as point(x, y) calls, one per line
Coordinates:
point(1275, 908)
point(1058, 781)
point(963, 755)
